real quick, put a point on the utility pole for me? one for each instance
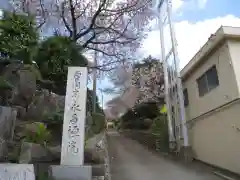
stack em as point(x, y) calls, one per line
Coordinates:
point(172, 140)
point(95, 82)
point(101, 90)
point(173, 84)
point(179, 92)
point(102, 100)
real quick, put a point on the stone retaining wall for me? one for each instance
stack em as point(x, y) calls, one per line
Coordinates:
point(7, 124)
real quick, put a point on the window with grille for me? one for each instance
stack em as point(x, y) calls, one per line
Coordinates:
point(208, 81)
point(185, 96)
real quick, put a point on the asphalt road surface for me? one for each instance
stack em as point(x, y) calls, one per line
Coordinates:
point(129, 160)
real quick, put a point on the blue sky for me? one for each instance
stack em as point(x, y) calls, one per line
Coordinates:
point(194, 21)
point(211, 9)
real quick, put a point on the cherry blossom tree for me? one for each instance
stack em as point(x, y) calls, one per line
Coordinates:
point(147, 84)
point(148, 77)
point(113, 28)
point(120, 78)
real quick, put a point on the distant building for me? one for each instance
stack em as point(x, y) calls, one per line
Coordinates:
point(211, 82)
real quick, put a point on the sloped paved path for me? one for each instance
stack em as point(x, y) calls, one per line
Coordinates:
point(131, 161)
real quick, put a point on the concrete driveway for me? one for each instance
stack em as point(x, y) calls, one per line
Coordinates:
point(131, 161)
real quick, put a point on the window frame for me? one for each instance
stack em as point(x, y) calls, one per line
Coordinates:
point(185, 96)
point(205, 78)
point(216, 83)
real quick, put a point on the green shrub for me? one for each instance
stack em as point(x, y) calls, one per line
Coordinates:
point(135, 118)
point(54, 118)
point(19, 36)
point(159, 129)
point(98, 124)
point(54, 122)
point(43, 176)
point(117, 123)
point(40, 134)
point(4, 84)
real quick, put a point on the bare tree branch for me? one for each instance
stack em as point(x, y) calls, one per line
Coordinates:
point(74, 23)
point(106, 64)
point(89, 40)
point(43, 13)
point(107, 54)
point(115, 40)
point(78, 35)
point(64, 19)
point(84, 11)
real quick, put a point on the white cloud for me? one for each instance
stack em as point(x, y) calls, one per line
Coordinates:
point(190, 36)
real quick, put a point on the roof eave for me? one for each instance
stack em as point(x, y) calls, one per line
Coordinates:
point(215, 39)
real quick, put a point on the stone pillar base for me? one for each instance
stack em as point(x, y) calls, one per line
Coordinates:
point(186, 153)
point(61, 172)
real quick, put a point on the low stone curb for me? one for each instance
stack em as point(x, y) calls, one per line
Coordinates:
point(223, 176)
point(107, 160)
